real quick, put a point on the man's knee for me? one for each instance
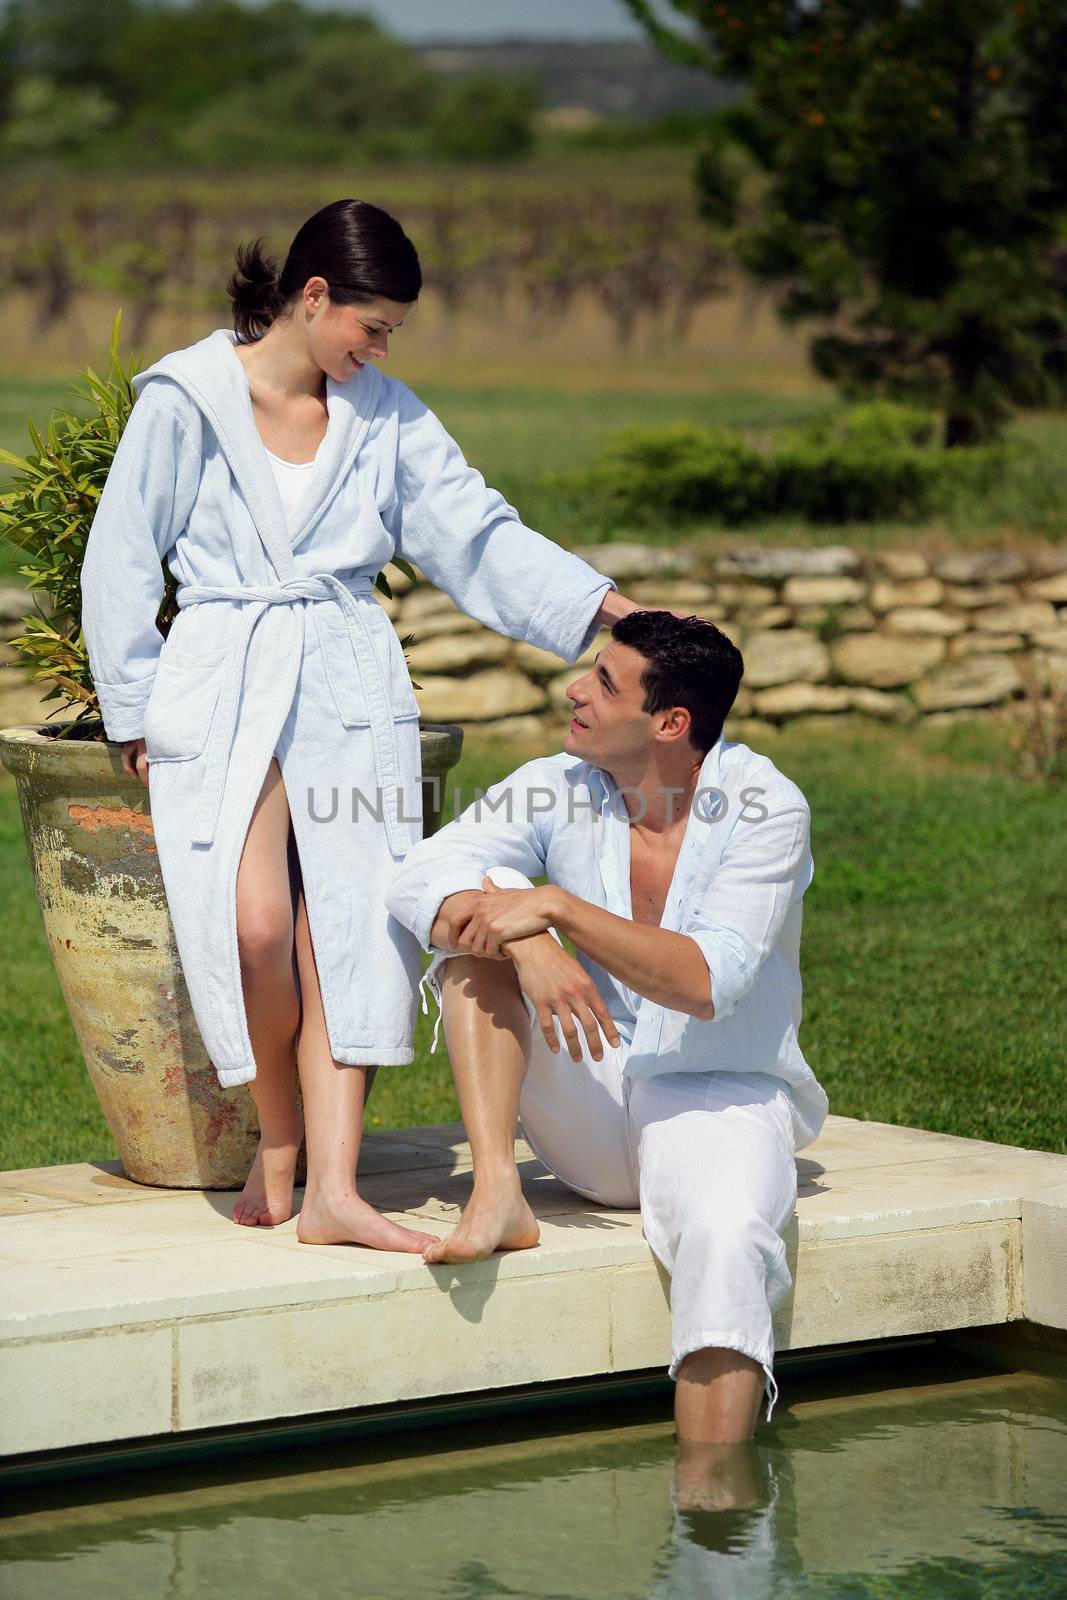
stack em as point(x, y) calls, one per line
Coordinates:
point(478, 971)
point(474, 976)
point(468, 980)
point(730, 1240)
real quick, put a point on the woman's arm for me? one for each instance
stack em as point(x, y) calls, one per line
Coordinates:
point(145, 502)
point(471, 543)
point(615, 605)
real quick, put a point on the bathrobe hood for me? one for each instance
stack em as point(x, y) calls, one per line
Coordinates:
point(210, 375)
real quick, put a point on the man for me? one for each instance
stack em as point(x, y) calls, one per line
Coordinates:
point(677, 862)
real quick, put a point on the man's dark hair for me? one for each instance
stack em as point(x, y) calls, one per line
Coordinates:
point(691, 663)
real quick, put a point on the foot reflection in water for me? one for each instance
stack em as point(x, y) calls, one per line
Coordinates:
point(859, 1488)
point(723, 1539)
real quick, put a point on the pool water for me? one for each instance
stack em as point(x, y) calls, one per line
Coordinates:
point(930, 1473)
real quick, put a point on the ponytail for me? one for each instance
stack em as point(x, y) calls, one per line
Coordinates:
point(254, 291)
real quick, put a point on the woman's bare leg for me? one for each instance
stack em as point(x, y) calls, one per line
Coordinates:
point(272, 1006)
point(332, 1211)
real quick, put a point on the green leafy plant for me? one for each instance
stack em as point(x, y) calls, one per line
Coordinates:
point(834, 483)
point(678, 471)
point(878, 424)
point(1039, 729)
point(832, 626)
point(46, 514)
point(865, 464)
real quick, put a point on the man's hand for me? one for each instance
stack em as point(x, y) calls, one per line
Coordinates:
point(559, 986)
point(452, 917)
point(556, 983)
point(498, 915)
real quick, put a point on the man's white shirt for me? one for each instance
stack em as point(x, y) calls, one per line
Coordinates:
point(738, 884)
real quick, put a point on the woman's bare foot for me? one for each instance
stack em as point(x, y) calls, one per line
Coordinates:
point(496, 1217)
point(267, 1197)
point(344, 1218)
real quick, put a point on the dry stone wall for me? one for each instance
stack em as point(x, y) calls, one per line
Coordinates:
point(896, 635)
point(893, 634)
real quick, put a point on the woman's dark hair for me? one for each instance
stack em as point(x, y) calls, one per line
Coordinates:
point(360, 250)
point(691, 663)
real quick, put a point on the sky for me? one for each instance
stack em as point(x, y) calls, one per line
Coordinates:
point(497, 19)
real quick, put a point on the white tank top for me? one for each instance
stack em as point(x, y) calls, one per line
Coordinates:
point(292, 480)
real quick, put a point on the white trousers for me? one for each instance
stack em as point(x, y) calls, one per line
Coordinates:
point(708, 1157)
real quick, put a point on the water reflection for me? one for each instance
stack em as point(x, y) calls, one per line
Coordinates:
point(941, 1489)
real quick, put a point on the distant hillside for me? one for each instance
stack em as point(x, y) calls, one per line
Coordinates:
point(609, 79)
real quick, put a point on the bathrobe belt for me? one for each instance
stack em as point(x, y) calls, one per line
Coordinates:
point(313, 586)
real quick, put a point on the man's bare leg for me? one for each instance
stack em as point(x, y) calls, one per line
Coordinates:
point(487, 1031)
point(716, 1406)
point(717, 1397)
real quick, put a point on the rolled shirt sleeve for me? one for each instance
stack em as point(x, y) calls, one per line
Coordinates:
point(500, 828)
point(469, 541)
point(765, 869)
point(432, 896)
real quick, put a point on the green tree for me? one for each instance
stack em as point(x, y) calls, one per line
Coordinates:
point(912, 193)
point(170, 62)
point(44, 117)
point(356, 78)
point(59, 46)
point(485, 117)
point(68, 42)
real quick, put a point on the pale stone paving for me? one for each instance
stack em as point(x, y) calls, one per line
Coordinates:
point(130, 1311)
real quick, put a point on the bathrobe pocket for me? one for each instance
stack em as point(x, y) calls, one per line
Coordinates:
point(181, 705)
point(345, 672)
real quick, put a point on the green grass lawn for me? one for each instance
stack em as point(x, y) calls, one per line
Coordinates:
point(516, 433)
point(934, 947)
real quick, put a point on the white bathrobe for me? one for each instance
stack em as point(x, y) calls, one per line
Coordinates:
point(280, 648)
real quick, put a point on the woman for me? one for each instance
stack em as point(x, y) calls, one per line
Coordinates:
point(276, 726)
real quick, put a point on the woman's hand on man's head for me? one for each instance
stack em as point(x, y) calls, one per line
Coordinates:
point(617, 605)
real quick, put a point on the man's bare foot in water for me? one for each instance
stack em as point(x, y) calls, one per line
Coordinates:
point(267, 1197)
point(343, 1218)
point(496, 1217)
point(718, 1477)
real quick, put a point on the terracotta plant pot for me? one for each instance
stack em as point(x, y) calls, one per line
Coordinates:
point(89, 834)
